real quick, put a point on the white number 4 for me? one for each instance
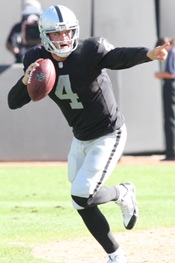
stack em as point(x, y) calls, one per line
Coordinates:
point(64, 92)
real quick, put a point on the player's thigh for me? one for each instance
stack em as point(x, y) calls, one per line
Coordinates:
point(76, 158)
point(101, 158)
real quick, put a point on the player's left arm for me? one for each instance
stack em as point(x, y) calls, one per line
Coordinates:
point(158, 53)
point(126, 57)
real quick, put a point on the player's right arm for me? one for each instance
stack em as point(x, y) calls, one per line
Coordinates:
point(18, 96)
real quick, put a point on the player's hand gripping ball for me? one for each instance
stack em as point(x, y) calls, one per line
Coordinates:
point(41, 80)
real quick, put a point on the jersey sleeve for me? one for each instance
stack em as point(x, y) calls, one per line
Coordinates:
point(95, 49)
point(18, 96)
point(121, 58)
point(103, 54)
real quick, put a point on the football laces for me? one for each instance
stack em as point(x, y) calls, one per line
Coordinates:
point(30, 77)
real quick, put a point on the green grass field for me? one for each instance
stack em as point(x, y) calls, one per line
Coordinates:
point(36, 206)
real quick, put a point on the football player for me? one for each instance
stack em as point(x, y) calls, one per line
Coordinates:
point(83, 92)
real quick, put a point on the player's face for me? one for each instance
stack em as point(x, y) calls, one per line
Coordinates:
point(63, 37)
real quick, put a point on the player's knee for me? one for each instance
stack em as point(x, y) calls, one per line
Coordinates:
point(76, 206)
point(79, 202)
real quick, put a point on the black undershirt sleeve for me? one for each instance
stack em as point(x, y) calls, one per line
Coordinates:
point(18, 95)
point(122, 58)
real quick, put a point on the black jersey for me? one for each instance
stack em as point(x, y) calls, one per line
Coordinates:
point(83, 90)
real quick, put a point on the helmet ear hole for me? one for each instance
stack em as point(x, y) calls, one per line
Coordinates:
point(55, 19)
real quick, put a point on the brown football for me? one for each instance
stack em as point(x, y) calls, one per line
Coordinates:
point(41, 80)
